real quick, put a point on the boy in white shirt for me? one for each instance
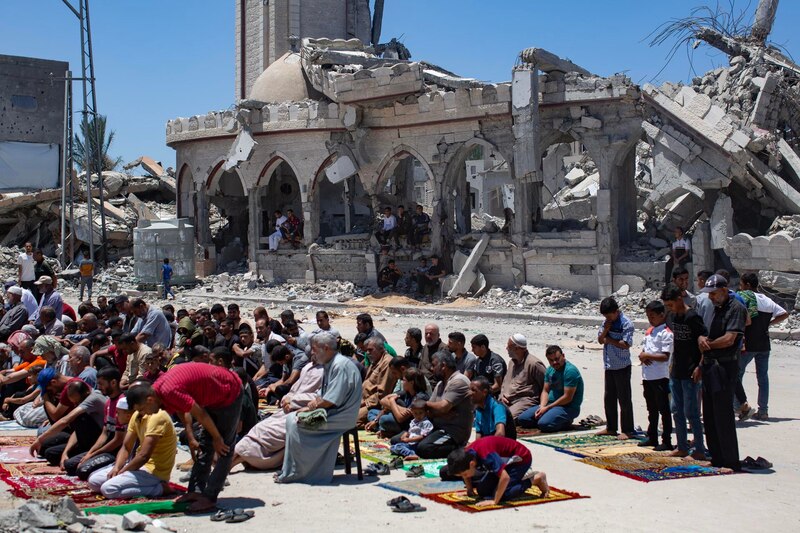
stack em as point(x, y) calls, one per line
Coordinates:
point(405, 444)
point(655, 355)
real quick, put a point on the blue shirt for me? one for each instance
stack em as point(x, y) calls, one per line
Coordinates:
point(616, 358)
point(569, 376)
point(488, 416)
point(166, 272)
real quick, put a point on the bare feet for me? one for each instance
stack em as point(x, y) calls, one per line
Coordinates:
point(188, 497)
point(678, 453)
point(540, 481)
point(606, 432)
point(201, 505)
point(623, 436)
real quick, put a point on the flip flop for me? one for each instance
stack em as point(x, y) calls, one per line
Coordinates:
point(240, 515)
point(408, 507)
point(763, 463)
point(394, 502)
point(222, 515)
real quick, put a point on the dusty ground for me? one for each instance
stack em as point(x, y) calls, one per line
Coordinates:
point(744, 502)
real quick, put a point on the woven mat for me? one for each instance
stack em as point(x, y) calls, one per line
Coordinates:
point(422, 485)
point(652, 467)
point(18, 454)
point(17, 440)
point(578, 440)
point(52, 487)
point(532, 496)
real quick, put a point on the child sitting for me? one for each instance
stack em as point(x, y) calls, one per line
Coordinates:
point(495, 467)
point(419, 428)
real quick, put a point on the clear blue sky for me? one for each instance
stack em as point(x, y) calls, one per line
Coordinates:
point(159, 59)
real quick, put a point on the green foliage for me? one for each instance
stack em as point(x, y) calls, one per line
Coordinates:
point(105, 137)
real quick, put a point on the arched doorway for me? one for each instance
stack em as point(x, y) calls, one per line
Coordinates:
point(277, 189)
point(343, 207)
point(187, 196)
point(227, 193)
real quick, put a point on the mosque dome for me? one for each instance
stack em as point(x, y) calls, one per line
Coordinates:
point(283, 81)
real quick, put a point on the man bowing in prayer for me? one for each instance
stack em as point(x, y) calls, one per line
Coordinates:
point(312, 441)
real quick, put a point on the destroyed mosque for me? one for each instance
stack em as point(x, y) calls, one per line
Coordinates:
point(560, 177)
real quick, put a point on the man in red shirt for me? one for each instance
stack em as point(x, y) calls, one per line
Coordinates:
point(212, 396)
point(495, 467)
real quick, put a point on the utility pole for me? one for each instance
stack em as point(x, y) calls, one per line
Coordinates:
point(66, 175)
point(92, 139)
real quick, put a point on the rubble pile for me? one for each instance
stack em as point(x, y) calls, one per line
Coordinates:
point(36, 216)
point(63, 515)
point(249, 283)
point(786, 224)
point(8, 263)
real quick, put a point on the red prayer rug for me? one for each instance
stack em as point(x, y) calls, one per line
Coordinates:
point(18, 454)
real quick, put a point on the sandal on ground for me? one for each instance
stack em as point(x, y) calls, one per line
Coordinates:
point(379, 469)
point(416, 471)
point(394, 502)
point(408, 507)
point(240, 515)
point(222, 515)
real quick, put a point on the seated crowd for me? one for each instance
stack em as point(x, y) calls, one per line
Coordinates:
point(108, 389)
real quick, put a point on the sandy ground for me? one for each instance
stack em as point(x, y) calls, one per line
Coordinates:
point(744, 502)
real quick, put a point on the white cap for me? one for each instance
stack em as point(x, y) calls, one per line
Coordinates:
point(122, 403)
point(519, 340)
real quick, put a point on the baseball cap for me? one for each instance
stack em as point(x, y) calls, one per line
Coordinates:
point(715, 282)
point(44, 280)
point(519, 340)
point(44, 378)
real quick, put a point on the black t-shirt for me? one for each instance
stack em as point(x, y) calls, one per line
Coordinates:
point(491, 366)
point(732, 316)
point(686, 329)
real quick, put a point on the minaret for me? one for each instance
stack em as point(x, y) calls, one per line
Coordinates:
point(267, 29)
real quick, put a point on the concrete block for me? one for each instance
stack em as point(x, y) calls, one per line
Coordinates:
point(685, 95)
point(740, 138)
point(575, 112)
point(721, 222)
point(449, 100)
point(476, 96)
point(714, 115)
point(603, 205)
point(575, 176)
point(591, 123)
point(699, 105)
point(468, 273)
point(504, 92)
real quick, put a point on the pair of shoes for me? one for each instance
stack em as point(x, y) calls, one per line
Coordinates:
point(665, 447)
point(756, 464)
point(761, 416)
point(233, 516)
point(396, 463)
point(416, 471)
point(408, 507)
point(647, 444)
point(378, 469)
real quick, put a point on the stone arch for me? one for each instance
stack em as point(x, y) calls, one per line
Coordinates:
point(340, 208)
point(400, 181)
point(187, 195)
point(484, 185)
point(218, 172)
point(277, 188)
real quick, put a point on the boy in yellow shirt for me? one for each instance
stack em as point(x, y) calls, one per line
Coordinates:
point(147, 473)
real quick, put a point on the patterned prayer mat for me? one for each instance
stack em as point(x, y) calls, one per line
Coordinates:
point(578, 440)
point(17, 440)
point(18, 454)
point(160, 508)
point(53, 487)
point(532, 496)
point(607, 450)
point(422, 485)
point(652, 467)
point(31, 469)
point(11, 425)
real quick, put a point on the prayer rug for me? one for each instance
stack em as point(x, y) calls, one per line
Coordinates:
point(160, 508)
point(18, 454)
point(31, 469)
point(53, 487)
point(652, 467)
point(532, 496)
point(579, 440)
point(17, 440)
point(607, 450)
point(11, 425)
point(422, 485)
point(431, 466)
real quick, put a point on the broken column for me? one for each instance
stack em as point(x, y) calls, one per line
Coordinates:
point(526, 128)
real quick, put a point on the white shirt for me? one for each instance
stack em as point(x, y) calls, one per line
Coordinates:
point(682, 243)
point(29, 301)
point(657, 340)
point(389, 223)
point(26, 262)
point(278, 223)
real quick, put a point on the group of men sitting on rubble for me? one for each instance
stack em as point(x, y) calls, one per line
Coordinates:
point(108, 390)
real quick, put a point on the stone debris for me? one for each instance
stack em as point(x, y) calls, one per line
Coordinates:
point(53, 515)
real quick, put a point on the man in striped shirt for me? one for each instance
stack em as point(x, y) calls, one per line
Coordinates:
point(616, 336)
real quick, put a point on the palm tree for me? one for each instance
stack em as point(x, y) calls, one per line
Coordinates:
point(79, 148)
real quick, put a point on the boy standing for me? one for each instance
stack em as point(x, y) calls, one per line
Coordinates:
point(86, 267)
point(616, 336)
point(684, 372)
point(166, 276)
point(656, 350)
